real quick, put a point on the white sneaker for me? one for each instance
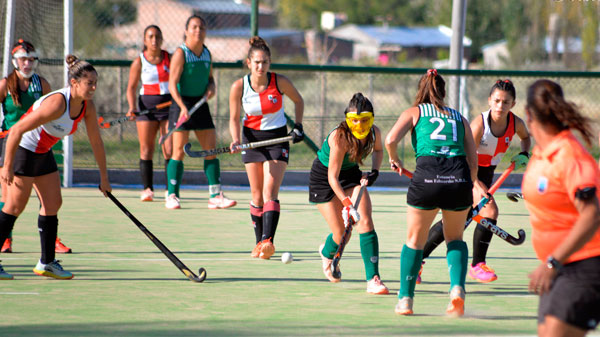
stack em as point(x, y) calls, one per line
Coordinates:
point(327, 266)
point(376, 287)
point(52, 269)
point(4, 275)
point(172, 202)
point(220, 201)
point(147, 195)
point(404, 306)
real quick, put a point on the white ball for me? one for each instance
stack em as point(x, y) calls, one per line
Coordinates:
point(287, 258)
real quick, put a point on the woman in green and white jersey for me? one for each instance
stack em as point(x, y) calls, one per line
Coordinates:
point(446, 172)
point(190, 79)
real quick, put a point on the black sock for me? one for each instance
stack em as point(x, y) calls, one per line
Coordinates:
point(435, 238)
point(270, 219)
point(7, 222)
point(166, 178)
point(256, 214)
point(481, 242)
point(48, 226)
point(146, 173)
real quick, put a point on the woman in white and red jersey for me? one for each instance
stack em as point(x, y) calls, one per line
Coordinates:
point(29, 162)
point(260, 93)
point(152, 68)
point(493, 132)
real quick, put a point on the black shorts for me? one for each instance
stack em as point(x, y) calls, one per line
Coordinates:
point(200, 120)
point(574, 297)
point(2, 151)
point(149, 102)
point(31, 164)
point(279, 151)
point(319, 190)
point(485, 174)
point(441, 183)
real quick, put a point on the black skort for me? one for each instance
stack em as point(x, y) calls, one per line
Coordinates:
point(279, 151)
point(200, 120)
point(149, 102)
point(319, 190)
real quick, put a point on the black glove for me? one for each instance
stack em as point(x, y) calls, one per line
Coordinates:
point(372, 176)
point(297, 133)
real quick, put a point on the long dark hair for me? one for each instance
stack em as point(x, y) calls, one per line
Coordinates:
point(546, 103)
point(505, 85)
point(12, 80)
point(432, 89)
point(356, 150)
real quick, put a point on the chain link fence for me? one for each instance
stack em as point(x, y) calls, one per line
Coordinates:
point(109, 33)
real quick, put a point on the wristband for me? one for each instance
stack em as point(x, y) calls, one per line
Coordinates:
point(347, 202)
point(525, 153)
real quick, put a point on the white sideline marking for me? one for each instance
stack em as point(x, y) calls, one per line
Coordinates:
point(8, 293)
point(499, 295)
point(134, 259)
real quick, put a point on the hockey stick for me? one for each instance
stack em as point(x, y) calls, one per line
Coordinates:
point(182, 267)
point(107, 125)
point(335, 270)
point(491, 191)
point(180, 121)
point(500, 232)
point(205, 153)
point(514, 196)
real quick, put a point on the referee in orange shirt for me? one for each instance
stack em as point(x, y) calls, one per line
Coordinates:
point(560, 189)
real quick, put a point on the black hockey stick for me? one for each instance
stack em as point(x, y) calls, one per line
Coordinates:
point(107, 125)
point(335, 270)
point(180, 121)
point(182, 267)
point(500, 232)
point(514, 196)
point(205, 153)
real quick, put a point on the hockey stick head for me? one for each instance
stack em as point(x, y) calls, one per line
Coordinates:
point(514, 196)
point(517, 241)
point(102, 124)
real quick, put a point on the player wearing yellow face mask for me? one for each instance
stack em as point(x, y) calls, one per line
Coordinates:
point(360, 123)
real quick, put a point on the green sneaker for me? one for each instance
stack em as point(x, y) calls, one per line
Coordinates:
point(52, 269)
point(4, 275)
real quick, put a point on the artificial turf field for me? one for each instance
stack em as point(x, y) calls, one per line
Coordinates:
point(124, 286)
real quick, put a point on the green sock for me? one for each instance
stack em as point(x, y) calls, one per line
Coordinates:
point(9, 234)
point(457, 257)
point(212, 169)
point(174, 175)
point(330, 247)
point(410, 264)
point(369, 250)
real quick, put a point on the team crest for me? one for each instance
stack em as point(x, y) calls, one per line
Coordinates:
point(542, 184)
point(507, 140)
point(272, 99)
point(36, 95)
point(285, 153)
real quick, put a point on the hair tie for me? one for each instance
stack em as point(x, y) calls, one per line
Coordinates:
point(498, 81)
point(507, 81)
point(432, 72)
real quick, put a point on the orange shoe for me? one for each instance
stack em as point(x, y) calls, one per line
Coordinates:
point(404, 306)
point(456, 307)
point(7, 246)
point(147, 195)
point(256, 250)
point(59, 247)
point(267, 249)
point(420, 271)
point(376, 286)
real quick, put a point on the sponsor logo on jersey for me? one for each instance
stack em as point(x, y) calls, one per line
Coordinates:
point(542, 184)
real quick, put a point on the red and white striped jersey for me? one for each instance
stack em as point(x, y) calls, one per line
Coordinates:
point(491, 149)
point(264, 111)
point(155, 77)
point(42, 138)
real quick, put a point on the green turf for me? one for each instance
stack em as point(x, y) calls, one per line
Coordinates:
point(124, 286)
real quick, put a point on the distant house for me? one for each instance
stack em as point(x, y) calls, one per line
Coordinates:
point(227, 20)
point(496, 54)
point(385, 42)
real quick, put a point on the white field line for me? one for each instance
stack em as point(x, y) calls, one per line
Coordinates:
point(132, 259)
point(14, 293)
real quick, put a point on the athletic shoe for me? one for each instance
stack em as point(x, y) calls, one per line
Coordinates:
point(4, 275)
point(482, 273)
point(7, 246)
point(147, 195)
point(420, 271)
point(52, 269)
point(220, 201)
point(172, 202)
point(59, 247)
point(327, 266)
point(267, 249)
point(376, 287)
point(456, 307)
point(256, 250)
point(404, 306)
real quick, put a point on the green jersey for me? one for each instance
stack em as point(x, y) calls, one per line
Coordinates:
point(323, 154)
point(12, 113)
point(196, 70)
point(438, 134)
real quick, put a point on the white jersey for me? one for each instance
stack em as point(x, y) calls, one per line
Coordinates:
point(491, 149)
point(264, 111)
point(42, 138)
point(155, 77)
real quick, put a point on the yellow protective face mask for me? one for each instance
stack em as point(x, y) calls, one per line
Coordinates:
point(360, 124)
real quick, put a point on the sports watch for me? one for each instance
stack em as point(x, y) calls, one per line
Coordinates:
point(553, 263)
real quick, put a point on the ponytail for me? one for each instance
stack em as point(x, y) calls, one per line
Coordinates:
point(432, 89)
